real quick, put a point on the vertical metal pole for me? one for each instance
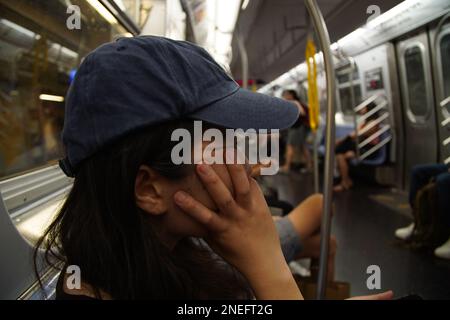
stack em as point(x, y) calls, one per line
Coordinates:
point(324, 39)
point(244, 61)
point(355, 115)
point(316, 164)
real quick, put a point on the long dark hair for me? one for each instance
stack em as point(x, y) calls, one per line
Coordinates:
point(100, 229)
point(292, 93)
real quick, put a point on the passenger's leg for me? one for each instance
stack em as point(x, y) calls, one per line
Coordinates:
point(308, 157)
point(421, 175)
point(311, 249)
point(288, 158)
point(342, 162)
point(443, 194)
point(307, 216)
point(306, 220)
point(350, 155)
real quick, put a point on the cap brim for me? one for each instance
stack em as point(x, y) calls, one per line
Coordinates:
point(245, 110)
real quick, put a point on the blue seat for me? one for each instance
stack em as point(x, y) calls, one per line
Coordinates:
point(341, 132)
point(344, 130)
point(379, 157)
point(376, 159)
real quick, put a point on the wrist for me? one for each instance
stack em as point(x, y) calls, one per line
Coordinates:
point(273, 280)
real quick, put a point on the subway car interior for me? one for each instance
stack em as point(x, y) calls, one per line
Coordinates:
point(370, 151)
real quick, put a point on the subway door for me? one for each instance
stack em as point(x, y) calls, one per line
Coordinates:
point(420, 139)
point(441, 62)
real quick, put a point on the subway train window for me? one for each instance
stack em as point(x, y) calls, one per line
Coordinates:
point(39, 56)
point(415, 77)
point(137, 10)
point(347, 102)
point(445, 58)
point(349, 85)
point(344, 76)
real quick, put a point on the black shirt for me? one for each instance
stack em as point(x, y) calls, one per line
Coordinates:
point(62, 295)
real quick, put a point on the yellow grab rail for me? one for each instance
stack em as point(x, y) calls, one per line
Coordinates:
point(313, 98)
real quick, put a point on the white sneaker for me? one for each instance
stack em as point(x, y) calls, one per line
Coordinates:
point(299, 269)
point(443, 251)
point(405, 233)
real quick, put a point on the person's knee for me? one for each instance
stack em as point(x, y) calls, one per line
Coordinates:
point(316, 201)
point(350, 155)
point(443, 186)
point(416, 172)
point(443, 181)
point(427, 171)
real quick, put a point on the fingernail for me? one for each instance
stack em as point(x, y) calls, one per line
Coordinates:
point(180, 197)
point(203, 169)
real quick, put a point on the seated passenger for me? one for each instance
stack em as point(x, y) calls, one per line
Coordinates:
point(420, 176)
point(299, 230)
point(133, 219)
point(297, 134)
point(303, 241)
point(346, 148)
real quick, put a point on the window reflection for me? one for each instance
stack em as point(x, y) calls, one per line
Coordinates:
point(137, 10)
point(345, 85)
point(415, 76)
point(445, 57)
point(38, 57)
point(345, 95)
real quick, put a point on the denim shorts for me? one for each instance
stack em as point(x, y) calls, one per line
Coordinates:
point(289, 238)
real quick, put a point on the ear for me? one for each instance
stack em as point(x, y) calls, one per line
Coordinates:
point(148, 190)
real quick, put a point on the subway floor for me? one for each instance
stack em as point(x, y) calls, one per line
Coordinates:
point(364, 229)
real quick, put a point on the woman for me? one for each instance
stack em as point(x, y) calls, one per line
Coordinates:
point(346, 147)
point(298, 133)
point(140, 226)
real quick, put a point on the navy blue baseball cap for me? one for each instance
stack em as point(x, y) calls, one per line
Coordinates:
point(137, 82)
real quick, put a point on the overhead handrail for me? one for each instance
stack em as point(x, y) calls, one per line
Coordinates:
point(324, 40)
